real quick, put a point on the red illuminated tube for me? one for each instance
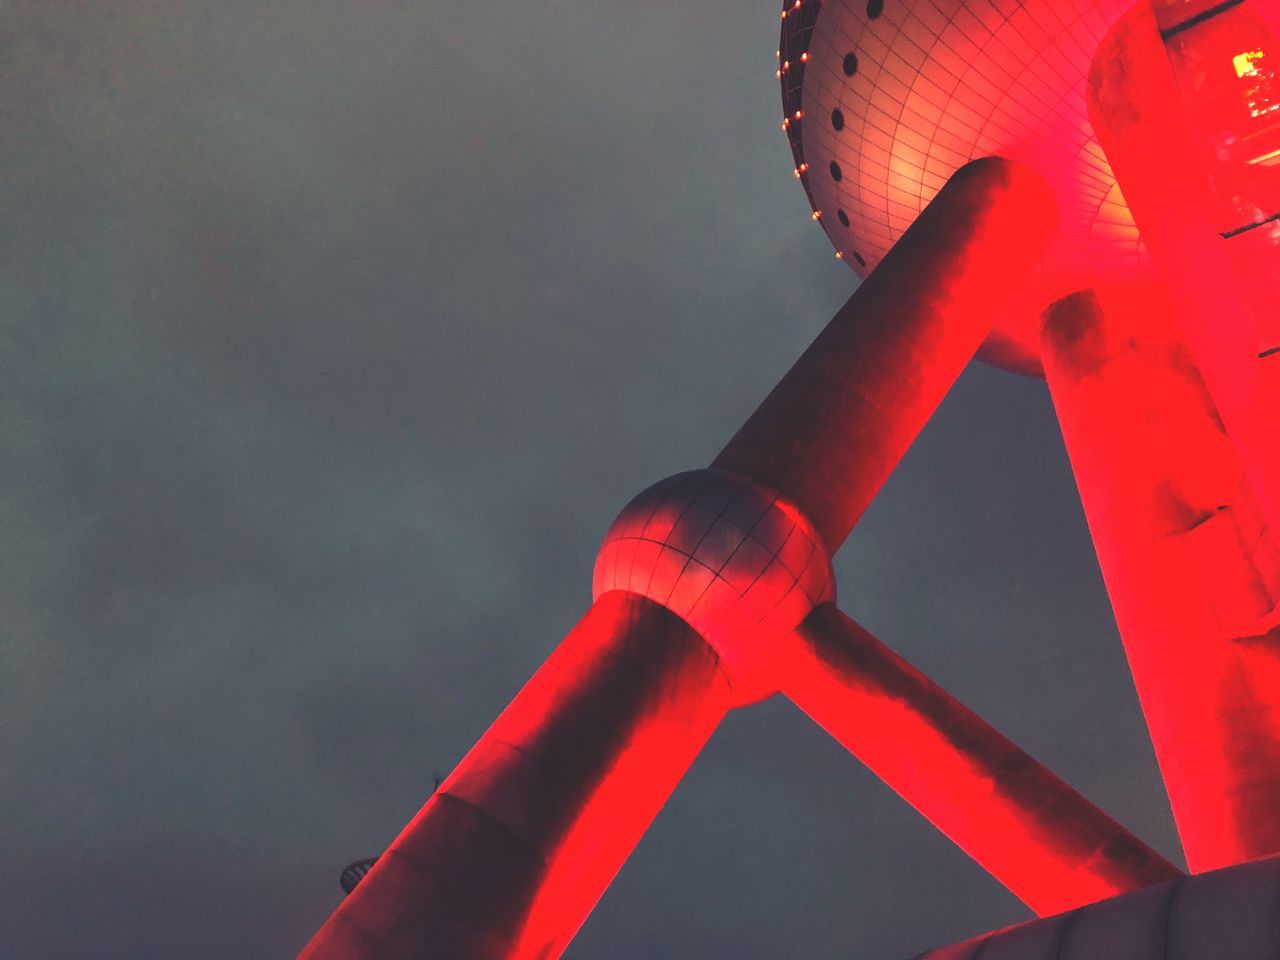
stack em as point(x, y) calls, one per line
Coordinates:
point(1191, 568)
point(1046, 843)
point(838, 422)
point(512, 851)
point(1140, 116)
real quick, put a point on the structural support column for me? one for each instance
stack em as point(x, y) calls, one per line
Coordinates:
point(1053, 849)
point(1151, 131)
point(1191, 567)
point(835, 426)
point(513, 850)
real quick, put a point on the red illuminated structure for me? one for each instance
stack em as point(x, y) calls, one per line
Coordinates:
point(1086, 190)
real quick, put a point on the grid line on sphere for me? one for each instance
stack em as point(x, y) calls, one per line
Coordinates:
point(740, 576)
point(693, 556)
point(653, 569)
point(665, 487)
point(943, 82)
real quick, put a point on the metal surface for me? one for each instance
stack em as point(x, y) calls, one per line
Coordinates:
point(353, 873)
point(1027, 828)
point(511, 852)
point(831, 432)
point(731, 557)
point(938, 83)
point(1192, 570)
point(1228, 914)
point(1225, 293)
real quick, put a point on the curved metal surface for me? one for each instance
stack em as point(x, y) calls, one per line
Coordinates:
point(928, 85)
point(1229, 914)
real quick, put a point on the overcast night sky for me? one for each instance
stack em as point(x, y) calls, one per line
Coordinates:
point(334, 336)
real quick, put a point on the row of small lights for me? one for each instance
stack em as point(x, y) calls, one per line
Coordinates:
point(786, 64)
point(799, 114)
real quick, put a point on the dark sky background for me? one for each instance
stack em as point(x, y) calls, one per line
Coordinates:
point(334, 336)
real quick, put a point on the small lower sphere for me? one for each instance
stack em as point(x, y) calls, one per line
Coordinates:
point(733, 558)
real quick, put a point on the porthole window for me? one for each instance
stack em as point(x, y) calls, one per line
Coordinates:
point(858, 257)
point(874, 8)
point(850, 64)
point(837, 118)
point(836, 173)
point(844, 219)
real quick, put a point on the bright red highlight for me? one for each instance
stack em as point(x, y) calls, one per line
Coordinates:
point(1158, 134)
point(1192, 571)
point(511, 853)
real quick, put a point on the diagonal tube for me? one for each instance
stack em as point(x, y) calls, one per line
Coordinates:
point(513, 850)
point(1050, 846)
point(836, 425)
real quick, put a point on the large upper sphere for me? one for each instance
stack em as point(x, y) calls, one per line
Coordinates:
point(884, 99)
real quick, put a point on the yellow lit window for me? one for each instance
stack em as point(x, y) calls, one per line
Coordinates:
point(1244, 63)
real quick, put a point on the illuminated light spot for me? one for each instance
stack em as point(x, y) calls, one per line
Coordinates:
point(842, 217)
point(839, 254)
point(1267, 159)
point(836, 173)
point(874, 8)
point(798, 114)
point(786, 122)
point(850, 64)
point(777, 73)
point(1245, 63)
point(803, 167)
point(817, 214)
point(804, 57)
point(837, 118)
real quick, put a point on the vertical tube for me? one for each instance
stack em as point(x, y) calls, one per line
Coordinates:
point(1053, 849)
point(1166, 168)
point(838, 422)
point(510, 854)
point(1191, 567)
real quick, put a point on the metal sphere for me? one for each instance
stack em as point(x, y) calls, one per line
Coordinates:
point(730, 556)
point(891, 105)
point(353, 873)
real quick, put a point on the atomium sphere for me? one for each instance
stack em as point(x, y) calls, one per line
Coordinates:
point(884, 100)
point(734, 559)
